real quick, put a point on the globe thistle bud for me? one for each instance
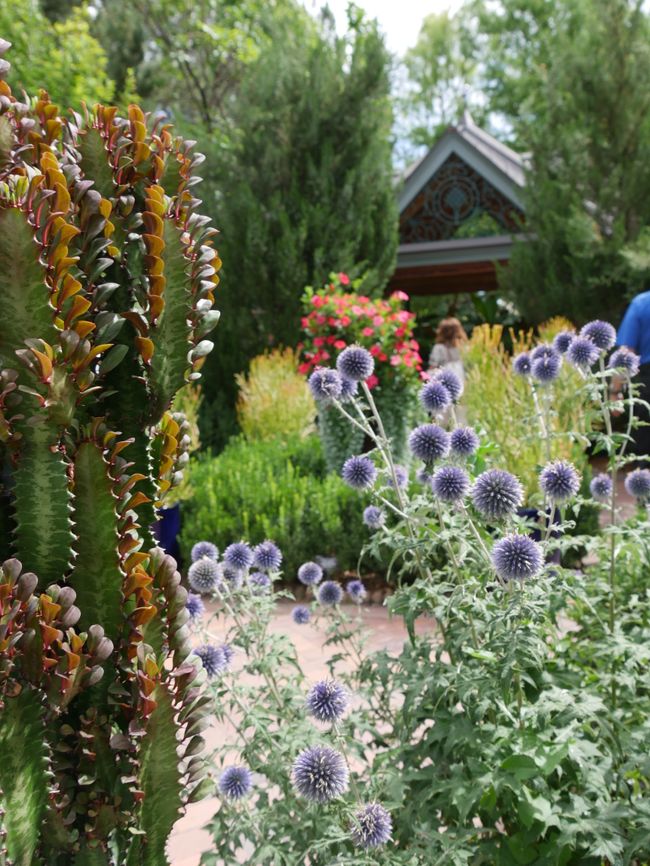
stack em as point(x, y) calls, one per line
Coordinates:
point(434, 396)
point(355, 363)
point(356, 590)
point(359, 472)
point(497, 494)
point(301, 614)
point(259, 582)
point(195, 607)
point(402, 476)
point(329, 593)
point(320, 774)
point(601, 334)
point(203, 575)
point(374, 517)
point(429, 443)
point(559, 480)
point(637, 484)
point(522, 364)
point(230, 579)
point(325, 384)
point(213, 659)
point(267, 556)
point(423, 476)
point(450, 483)
point(463, 442)
point(310, 573)
point(204, 549)
point(562, 341)
point(238, 556)
point(235, 782)
point(228, 652)
point(372, 827)
point(624, 359)
point(601, 487)
point(327, 701)
point(348, 390)
point(451, 382)
point(546, 368)
point(583, 353)
point(517, 557)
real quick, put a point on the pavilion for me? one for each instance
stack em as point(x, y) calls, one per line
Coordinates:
point(460, 212)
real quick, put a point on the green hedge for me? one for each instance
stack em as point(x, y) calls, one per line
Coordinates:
point(274, 490)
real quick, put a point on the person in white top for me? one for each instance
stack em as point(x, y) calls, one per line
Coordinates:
point(450, 335)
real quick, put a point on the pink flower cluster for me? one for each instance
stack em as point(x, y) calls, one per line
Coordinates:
point(335, 318)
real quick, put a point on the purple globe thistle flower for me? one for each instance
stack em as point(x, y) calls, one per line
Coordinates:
point(463, 441)
point(402, 476)
point(329, 593)
point(559, 480)
point(213, 659)
point(516, 557)
point(301, 614)
point(356, 590)
point(359, 472)
point(583, 353)
point(429, 442)
point(522, 364)
point(601, 334)
point(355, 363)
point(204, 548)
point(259, 582)
point(624, 359)
point(372, 827)
point(562, 341)
point(544, 350)
point(325, 384)
point(546, 369)
point(434, 396)
point(195, 607)
point(232, 579)
point(320, 774)
point(451, 382)
point(497, 494)
point(327, 701)
point(310, 573)
point(348, 390)
point(267, 556)
point(228, 652)
point(203, 575)
point(601, 487)
point(238, 556)
point(450, 483)
point(374, 517)
point(235, 782)
point(637, 484)
point(423, 476)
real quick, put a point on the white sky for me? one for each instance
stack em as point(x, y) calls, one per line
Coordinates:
point(399, 19)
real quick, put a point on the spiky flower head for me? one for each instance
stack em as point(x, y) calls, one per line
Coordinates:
point(213, 659)
point(463, 441)
point(450, 483)
point(329, 593)
point(625, 359)
point(238, 556)
point(429, 443)
point(259, 582)
point(320, 774)
point(195, 607)
point(546, 368)
point(434, 396)
point(372, 827)
point(374, 517)
point(583, 353)
point(451, 382)
point(204, 548)
point(559, 480)
point(600, 487)
point(637, 484)
point(267, 556)
point(301, 614)
point(497, 494)
point(228, 652)
point(544, 350)
point(310, 573)
point(355, 363)
point(601, 334)
point(235, 782)
point(327, 701)
point(562, 341)
point(359, 472)
point(522, 364)
point(422, 475)
point(203, 575)
point(516, 557)
point(325, 384)
point(348, 390)
point(402, 476)
point(356, 590)
point(231, 579)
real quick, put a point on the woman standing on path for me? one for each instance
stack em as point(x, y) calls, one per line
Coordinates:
point(446, 352)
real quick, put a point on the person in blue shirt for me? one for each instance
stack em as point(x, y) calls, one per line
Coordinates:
point(634, 333)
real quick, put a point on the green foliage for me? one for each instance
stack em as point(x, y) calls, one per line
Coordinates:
point(108, 290)
point(279, 490)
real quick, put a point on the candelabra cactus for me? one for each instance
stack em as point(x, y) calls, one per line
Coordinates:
point(107, 273)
